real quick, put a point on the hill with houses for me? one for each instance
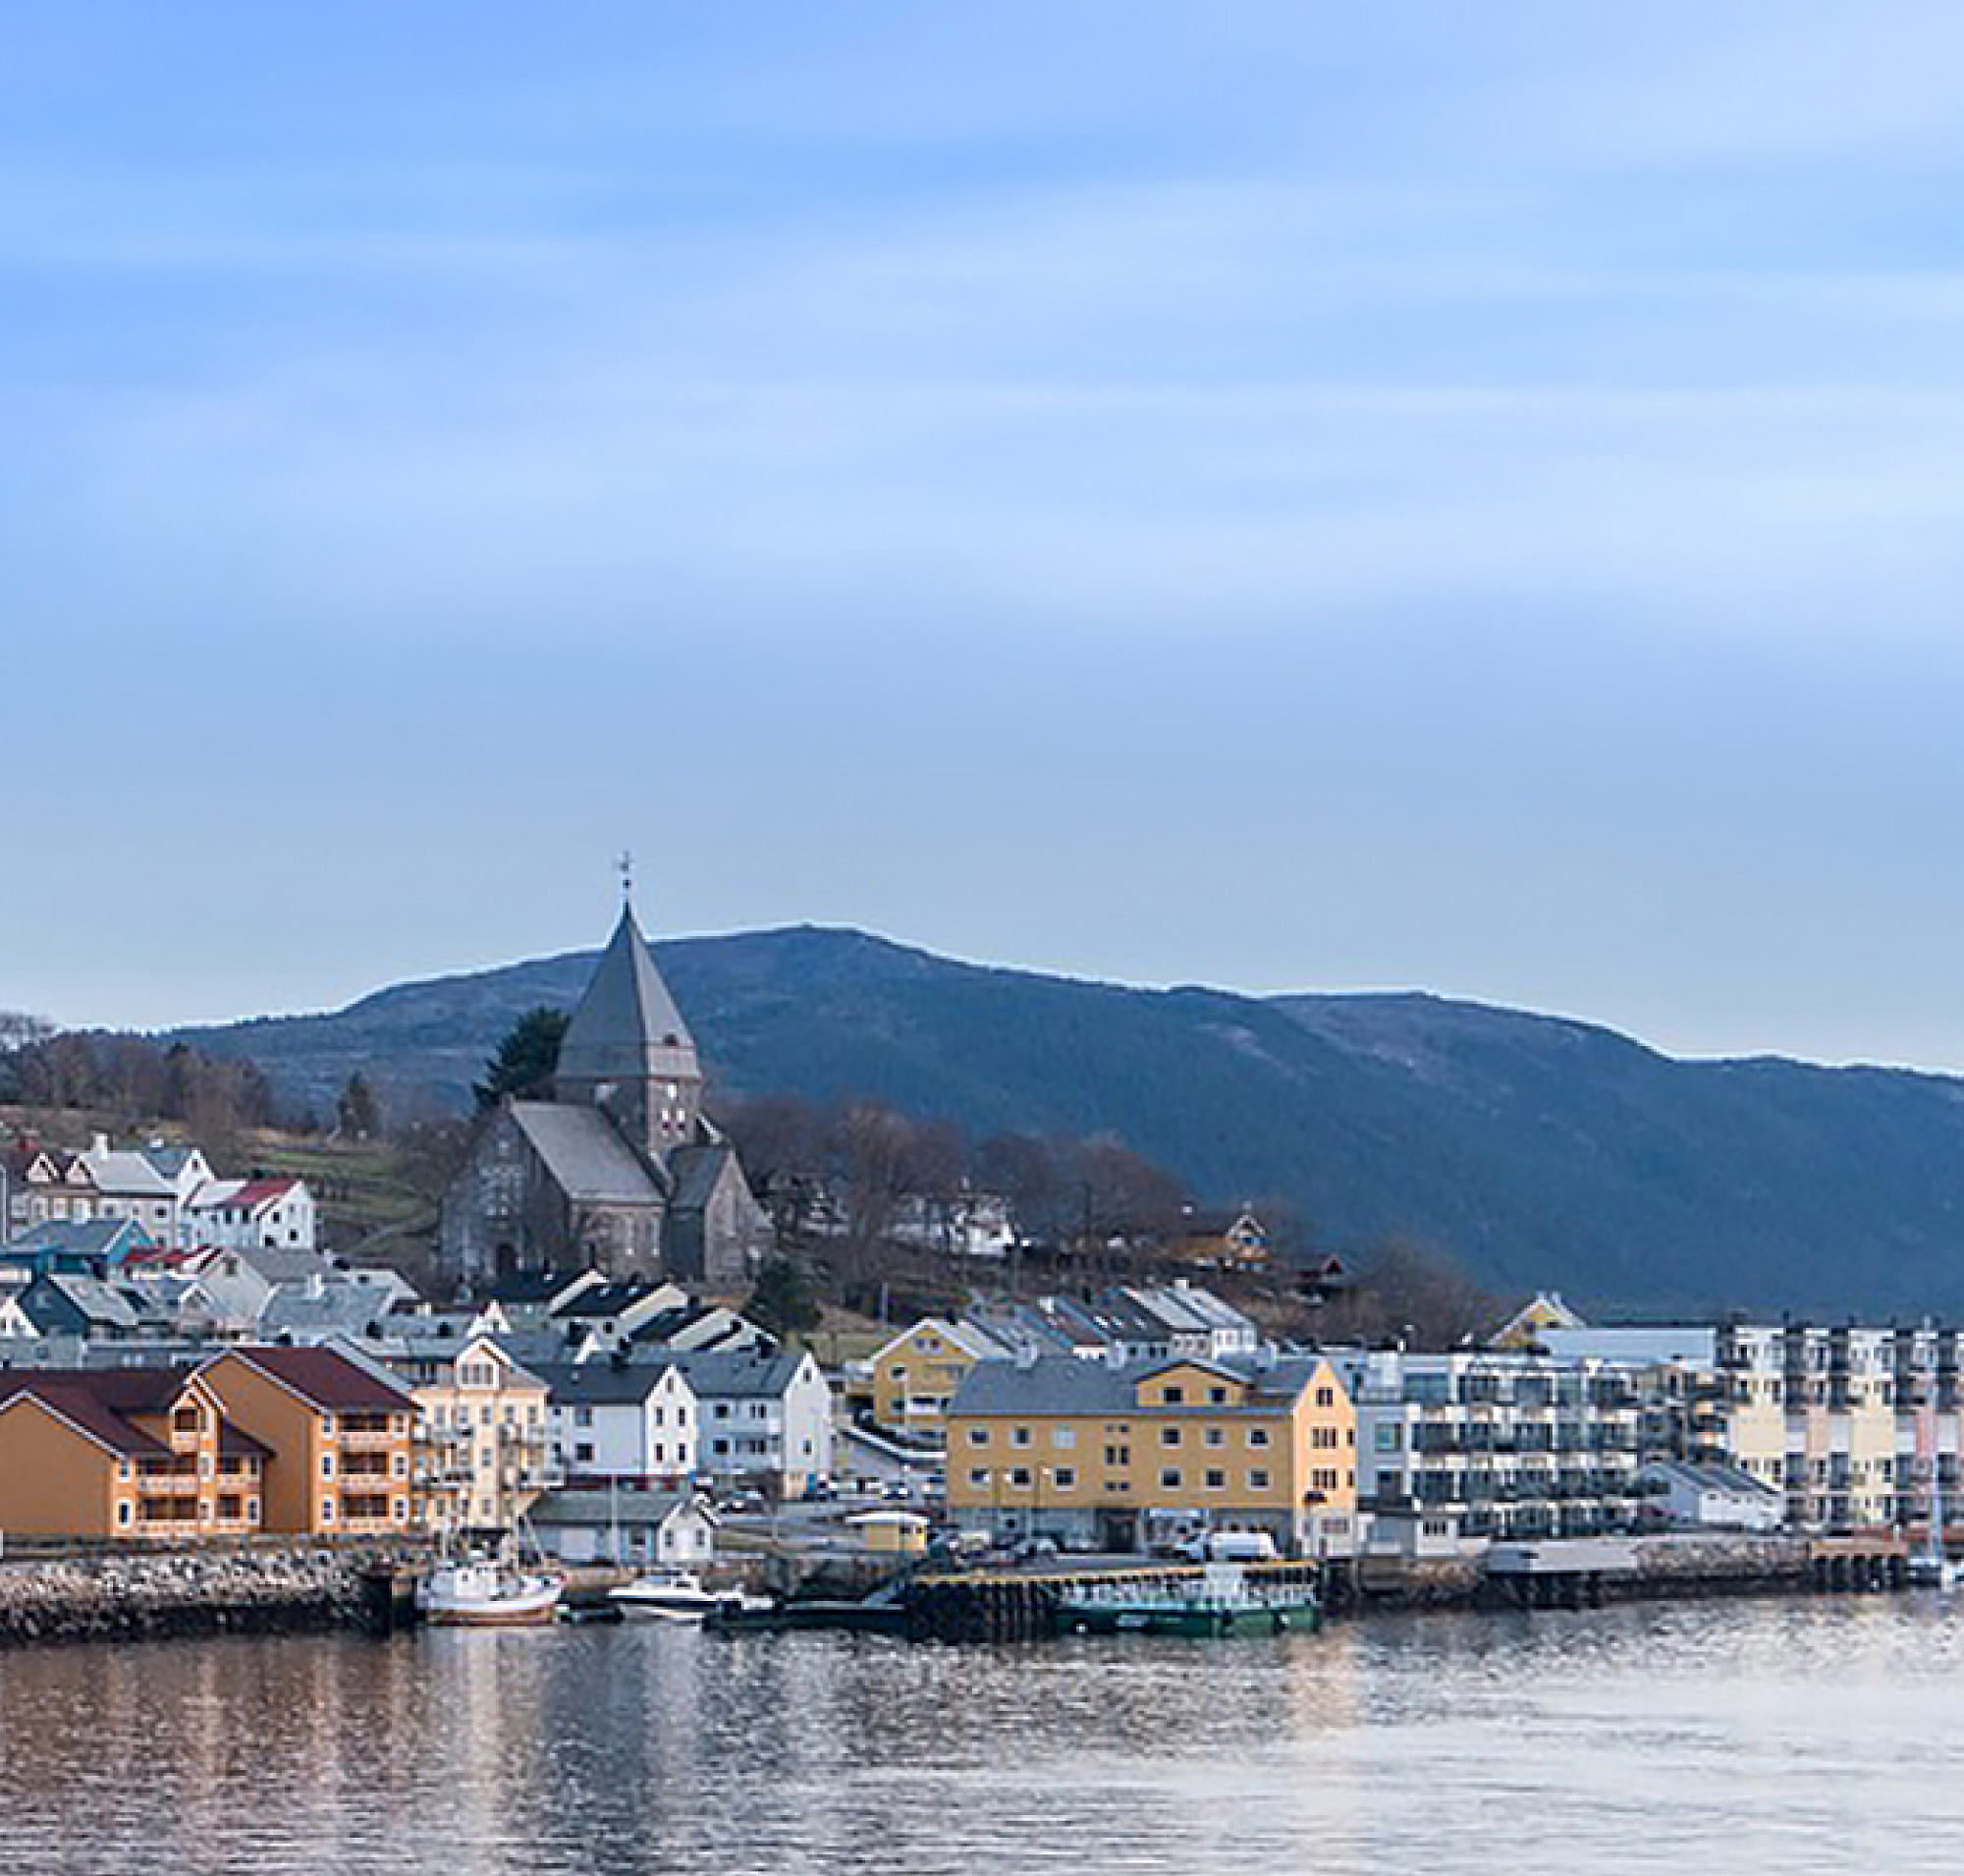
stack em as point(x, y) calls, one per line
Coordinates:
point(1537, 1152)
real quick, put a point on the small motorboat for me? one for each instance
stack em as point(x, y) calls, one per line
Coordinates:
point(482, 1593)
point(666, 1595)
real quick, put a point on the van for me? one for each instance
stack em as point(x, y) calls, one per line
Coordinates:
point(1240, 1547)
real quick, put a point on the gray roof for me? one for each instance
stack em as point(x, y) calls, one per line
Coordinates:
point(602, 1508)
point(740, 1374)
point(95, 1300)
point(1070, 1384)
point(626, 1026)
point(598, 1383)
point(283, 1263)
point(84, 1236)
point(338, 1308)
point(696, 1171)
point(1711, 1477)
point(587, 1159)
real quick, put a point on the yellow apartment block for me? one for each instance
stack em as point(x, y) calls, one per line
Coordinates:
point(1147, 1455)
point(481, 1442)
point(917, 1373)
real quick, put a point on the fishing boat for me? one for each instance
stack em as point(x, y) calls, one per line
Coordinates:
point(485, 1593)
point(1222, 1602)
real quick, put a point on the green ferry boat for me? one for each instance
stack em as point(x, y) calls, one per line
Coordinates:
point(1222, 1602)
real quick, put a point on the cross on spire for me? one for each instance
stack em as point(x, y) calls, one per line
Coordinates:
point(625, 865)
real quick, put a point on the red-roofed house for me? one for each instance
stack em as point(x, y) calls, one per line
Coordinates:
point(248, 1214)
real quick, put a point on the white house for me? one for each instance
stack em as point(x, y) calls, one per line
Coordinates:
point(635, 1527)
point(629, 1421)
point(151, 1185)
point(1713, 1497)
point(252, 1214)
point(765, 1419)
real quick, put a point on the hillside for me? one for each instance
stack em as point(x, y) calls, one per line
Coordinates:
point(1541, 1151)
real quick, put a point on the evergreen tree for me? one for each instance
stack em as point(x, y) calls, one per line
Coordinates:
point(782, 1302)
point(525, 1060)
point(357, 1113)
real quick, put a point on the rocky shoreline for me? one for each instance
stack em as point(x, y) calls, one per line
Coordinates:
point(204, 1591)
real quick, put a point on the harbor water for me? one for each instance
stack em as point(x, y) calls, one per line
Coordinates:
point(1777, 1736)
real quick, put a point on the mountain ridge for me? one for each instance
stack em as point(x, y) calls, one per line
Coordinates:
point(1540, 1150)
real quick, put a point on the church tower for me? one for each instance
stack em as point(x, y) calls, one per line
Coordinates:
point(628, 1052)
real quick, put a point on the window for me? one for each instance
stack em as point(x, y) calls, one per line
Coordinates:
point(327, 1511)
point(1170, 1477)
point(1021, 1477)
point(1388, 1436)
point(1065, 1477)
point(123, 1510)
point(1258, 1436)
point(1019, 1436)
point(978, 1476)
point(1169, 1436)
point(1258, 1480)
point(1117, 1456)
point(1173, 1396)
point(1216, 1481)
point(583, 1416)
point(327, 1465)
point(1064, 1438)
point(583, 1452)
point(1214, 1436)
point(978, 1436)
point(1216, 1397)
point(1326, 1397)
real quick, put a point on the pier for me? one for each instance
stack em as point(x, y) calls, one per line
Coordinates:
point(1001, 1606)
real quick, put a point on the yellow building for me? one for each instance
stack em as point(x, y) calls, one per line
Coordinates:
point(338, 1436)
point(480, 1441)
point(916, 1374)
point(1147, 1455)
point(135, 1452)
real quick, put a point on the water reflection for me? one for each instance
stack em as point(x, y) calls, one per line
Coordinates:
point(1780, 1736)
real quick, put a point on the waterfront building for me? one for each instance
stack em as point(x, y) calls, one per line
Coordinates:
point(1471, 1445)
point(633, 1423)
point(619, 1169)
point(764, 1418)
point(338, 1434)
point(1710, 1497)
point(644, 1529)
point(479, 1457)
point(1125, 1456)
point(137, 1453)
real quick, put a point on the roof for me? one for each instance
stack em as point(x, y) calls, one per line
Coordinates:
point(696, 1171)
point(602, 1508)
point(538, 1286)
point(89, 1296)
point(600, 1383)
point(626, 1026)
point(738, 1374)
point(248, 1194)
point(603, 1300)
point(99, 1400)
point(1713, 1477)
point(586, 1158)
point(325, 1377)
point(1070, 1385)
point(168, 1157)
point(86, 1236)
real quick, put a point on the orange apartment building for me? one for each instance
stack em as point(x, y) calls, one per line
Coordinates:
point(338, 1437)
point(136, 1453)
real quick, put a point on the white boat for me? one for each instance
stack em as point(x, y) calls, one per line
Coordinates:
point(666, 1595)
point(486, 1594)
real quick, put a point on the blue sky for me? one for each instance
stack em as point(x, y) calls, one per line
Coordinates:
point(1289, 497)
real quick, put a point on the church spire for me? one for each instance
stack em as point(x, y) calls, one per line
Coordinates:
point(627, 1049)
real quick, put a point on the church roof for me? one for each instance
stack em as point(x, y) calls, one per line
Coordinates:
point(626, 1025)
point(587, 1159)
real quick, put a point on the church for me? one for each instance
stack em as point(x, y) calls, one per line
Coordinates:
point(620, 1169)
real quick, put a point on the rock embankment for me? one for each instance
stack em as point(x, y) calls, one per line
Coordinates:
point(193, 1592)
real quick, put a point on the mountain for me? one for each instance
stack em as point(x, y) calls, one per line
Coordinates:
point(1541, 1152)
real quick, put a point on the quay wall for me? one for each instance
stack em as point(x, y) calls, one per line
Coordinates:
point(204, 1590)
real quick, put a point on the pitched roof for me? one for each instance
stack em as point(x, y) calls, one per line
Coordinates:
point(86, 1236)
point(696, 1168)
point(587, 1159)
point(630, 1507)
point(1069, 1383)
point(326, 1377)
point(99, 1400)
point(739, 1373)
point(626, 1026)
point(599, 1383)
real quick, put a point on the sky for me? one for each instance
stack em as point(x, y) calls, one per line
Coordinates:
point(1287, 497)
